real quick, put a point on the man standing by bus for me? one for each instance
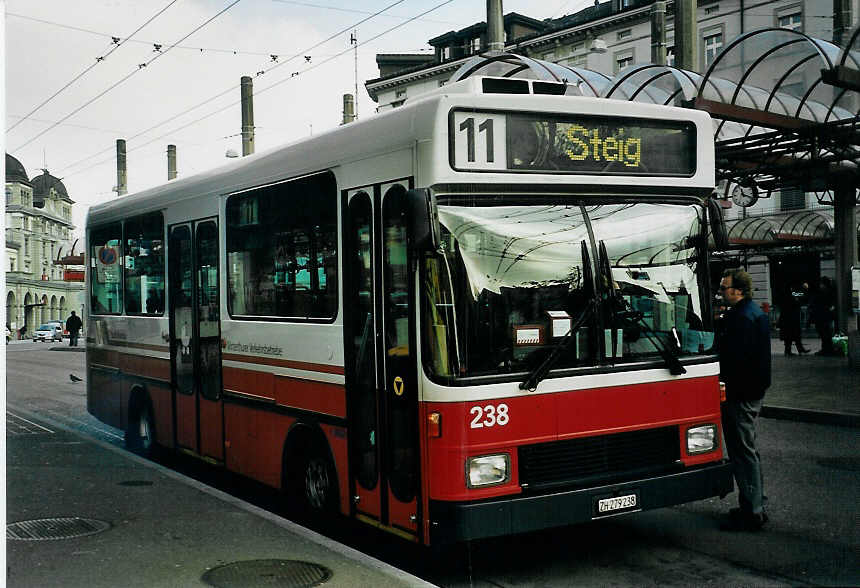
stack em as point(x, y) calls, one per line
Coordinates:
point(744, 349)
point(73, 326)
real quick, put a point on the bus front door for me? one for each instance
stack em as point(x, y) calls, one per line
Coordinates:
point(381, 371)
point(195, 338)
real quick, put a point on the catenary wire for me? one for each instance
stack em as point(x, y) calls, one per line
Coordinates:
point(232, 104)
point(133, 72)
point(150, 43)
point(233, 88)
point(97, 61)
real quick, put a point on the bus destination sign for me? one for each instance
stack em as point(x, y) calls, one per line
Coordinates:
point(583, 144)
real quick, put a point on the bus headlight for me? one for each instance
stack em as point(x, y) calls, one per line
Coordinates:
point(701, 439)
point(487, 470)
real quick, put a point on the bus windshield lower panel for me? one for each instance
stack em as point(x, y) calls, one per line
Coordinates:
point(512, 280)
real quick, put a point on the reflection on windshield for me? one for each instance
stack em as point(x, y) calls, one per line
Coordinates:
point(513, 279)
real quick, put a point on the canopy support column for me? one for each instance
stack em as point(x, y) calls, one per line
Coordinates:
point(845, 221)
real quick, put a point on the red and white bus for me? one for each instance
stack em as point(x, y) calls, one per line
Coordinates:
point(478, 314)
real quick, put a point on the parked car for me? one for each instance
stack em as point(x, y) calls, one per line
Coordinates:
point(48, 332)
point(59, 324)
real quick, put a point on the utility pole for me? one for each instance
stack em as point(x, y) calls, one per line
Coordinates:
point(841, 21)
point(121, 175)
point(495, 27)
point(658, 33)
point(171, 162)
point(247, 116)
point(686, 37)
point(353, 39)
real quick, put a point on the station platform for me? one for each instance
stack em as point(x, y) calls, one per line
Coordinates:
point(83, 513)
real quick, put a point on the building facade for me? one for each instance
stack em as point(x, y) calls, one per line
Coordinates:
point(785, 238)
point(39, 239)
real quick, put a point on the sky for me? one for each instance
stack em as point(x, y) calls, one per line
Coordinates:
point(82, 73)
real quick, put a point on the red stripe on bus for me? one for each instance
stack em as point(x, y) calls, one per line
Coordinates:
point(313, 396)
point(285, 363)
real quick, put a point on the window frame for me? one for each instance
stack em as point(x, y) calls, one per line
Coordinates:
point(93, 269)
point(164, 276)
point(335, 309)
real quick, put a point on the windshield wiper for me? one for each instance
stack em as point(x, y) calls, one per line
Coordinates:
point(637, 319)
point(634, 317)
point(539, 373)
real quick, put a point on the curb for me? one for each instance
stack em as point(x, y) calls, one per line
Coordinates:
point(818, 417)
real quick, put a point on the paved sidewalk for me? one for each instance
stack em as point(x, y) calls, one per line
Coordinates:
point(114, 519)
point(812, 388)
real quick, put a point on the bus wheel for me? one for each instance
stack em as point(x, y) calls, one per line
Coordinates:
point(140, 434)
point(319, 483)
point(311, 481)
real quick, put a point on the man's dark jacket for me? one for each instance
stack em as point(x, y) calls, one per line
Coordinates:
point(744, 348)
point(74, 324)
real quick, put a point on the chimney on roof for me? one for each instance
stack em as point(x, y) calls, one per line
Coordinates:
point(348, 109)
point(121, 175)
point(171, 162)
point(247, 88)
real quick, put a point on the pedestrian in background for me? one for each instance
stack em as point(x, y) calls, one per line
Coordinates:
point(822, 310)
point(743, 343)
point(789, 320)
point(73, 326)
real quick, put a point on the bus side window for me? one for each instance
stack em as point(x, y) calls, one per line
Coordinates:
point(281, 249)
point(106, 253)
point(144, 266)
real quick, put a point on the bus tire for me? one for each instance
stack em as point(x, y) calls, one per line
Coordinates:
point(311, 479)
point(140, 431)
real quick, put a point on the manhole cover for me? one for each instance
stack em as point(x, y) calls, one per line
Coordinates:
point(136, 483)
point(267, 572)
point(58, 528)
point(849, 464)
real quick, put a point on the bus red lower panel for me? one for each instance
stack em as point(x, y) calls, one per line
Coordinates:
point(501, 426)
point(162, 408)
point(463, 521)
point(254, 442)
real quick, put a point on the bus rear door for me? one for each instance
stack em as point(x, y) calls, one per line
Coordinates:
point(195, 337)
point(381, 371)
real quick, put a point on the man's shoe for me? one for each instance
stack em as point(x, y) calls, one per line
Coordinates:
point(740, 520)
point(805, 350)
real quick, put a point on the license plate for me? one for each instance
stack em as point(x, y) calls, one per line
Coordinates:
point(606, 506)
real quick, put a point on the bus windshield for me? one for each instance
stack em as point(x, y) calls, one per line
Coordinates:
point(511, 281)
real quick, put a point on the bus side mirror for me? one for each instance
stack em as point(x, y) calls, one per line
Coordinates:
point(423, 219)
point(717, 224)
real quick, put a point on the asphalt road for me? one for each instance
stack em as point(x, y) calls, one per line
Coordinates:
point(811, 479)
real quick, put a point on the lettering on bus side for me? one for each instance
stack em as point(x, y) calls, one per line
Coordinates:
point(489, 415)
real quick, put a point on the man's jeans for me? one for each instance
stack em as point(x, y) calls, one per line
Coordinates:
point(73, 339)
point(739, 432)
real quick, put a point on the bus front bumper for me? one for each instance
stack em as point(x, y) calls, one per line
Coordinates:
point(463, 521)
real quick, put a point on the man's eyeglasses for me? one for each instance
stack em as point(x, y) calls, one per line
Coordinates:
point(724, 288)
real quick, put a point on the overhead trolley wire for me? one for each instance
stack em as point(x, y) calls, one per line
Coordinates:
point(139, 67)
point(116, 45)
point(232, 104)
point(143, 42)
point(234, 86)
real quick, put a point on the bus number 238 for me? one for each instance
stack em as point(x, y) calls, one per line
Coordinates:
point(489, 416)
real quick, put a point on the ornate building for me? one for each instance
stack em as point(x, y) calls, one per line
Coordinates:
point(38, 238)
